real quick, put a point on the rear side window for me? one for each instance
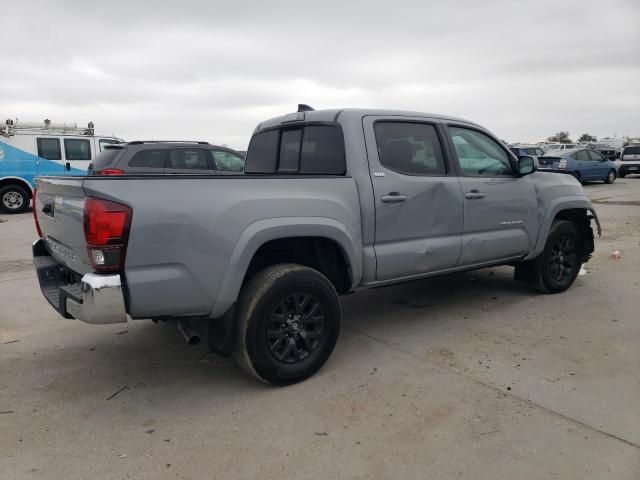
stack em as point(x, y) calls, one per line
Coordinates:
point(188, 159)
point(103, 142)
point(49, 148)
point(595, 156)
point(149, 159)
point(582, 155)
point(409, 148)
point(77, 149)
point(106, 157)
point(309, 149)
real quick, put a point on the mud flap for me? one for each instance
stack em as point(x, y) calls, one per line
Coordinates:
point(222, 333)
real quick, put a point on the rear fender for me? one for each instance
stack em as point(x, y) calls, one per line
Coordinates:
point(263, 231)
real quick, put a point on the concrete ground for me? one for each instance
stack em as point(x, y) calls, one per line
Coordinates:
point(466, 376)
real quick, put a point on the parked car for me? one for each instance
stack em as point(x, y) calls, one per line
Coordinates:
point(156, 157)
point(607, 151)
point(532, 150)
point(584, 164)
point(331, 202)
point(557, 147)
point(629, 162)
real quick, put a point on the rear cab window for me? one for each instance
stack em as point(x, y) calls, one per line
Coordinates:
point(308, 149)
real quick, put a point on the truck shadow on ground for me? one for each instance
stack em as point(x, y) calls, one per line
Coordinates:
point(152, 360)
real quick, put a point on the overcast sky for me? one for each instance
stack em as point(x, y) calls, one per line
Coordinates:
point(213, 70)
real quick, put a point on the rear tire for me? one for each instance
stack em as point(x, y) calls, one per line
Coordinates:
point(611, 177)
point(14, 199)
point(557, 267)
point(288, 324)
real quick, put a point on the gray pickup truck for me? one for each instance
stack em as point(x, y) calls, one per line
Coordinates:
point(330, 202)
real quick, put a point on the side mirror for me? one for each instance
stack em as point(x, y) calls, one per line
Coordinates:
point(527, 165)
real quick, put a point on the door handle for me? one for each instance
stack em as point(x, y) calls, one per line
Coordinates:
point(67, 167)
point(474, 194)
point(393, 197)
point(48, 209)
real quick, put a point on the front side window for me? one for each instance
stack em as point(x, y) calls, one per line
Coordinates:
point(478, 154)
point(149, 159)
point(49, 148)
point(227, 161)
point(77, 149)
point(409, 148)
point(188, 159)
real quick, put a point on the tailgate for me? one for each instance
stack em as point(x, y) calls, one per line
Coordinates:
point(58, 206)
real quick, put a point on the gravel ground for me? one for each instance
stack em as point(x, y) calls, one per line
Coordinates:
point(465, 376)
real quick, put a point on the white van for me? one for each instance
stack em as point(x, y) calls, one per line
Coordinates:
point(629, 161)
point(31, 149)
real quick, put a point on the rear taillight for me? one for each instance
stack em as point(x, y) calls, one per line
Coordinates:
point(106, 232)
point(109, 171)
point(35, 213)
point(562, 164)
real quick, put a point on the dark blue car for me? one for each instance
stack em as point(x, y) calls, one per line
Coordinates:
point(583, 163)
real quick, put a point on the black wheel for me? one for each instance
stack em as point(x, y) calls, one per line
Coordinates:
point(14, 199)
point(576, 175)
point(558, 265)
point(622, 175)
point(288, 323)
point(611, 177)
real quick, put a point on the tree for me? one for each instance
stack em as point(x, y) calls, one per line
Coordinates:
point(560, 137)
point(586, 138)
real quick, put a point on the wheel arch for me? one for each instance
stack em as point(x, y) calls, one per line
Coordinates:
point(578, 210)
point(285, 234)
point(4, 181)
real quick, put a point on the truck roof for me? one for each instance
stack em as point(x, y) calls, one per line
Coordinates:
point(332, 115)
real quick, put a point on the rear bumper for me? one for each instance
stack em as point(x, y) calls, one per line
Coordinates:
point(629, 169)
point(92, 298)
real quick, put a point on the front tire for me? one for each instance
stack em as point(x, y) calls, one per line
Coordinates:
point(558, 265)
point(14, 199)
point(288, 324)
point(611, 177)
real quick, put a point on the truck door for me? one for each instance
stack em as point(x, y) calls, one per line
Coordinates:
point(499, 206)
point(78, 153)
point(418, 201)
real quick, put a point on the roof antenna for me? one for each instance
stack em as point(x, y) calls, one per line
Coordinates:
point(302, 107)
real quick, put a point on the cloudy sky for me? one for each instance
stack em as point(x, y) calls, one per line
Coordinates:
point(212, 70)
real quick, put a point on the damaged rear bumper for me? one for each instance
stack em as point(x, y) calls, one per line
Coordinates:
point(92, 298)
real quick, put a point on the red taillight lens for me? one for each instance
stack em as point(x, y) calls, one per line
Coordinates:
point(35, 213)
point(106, 231)
point(110, 171)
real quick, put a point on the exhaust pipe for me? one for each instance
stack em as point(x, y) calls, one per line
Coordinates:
point(190, 334)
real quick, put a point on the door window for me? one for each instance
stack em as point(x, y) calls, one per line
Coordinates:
point(409, 148)
point(149, 159)
point(227, 161)
point(582, 155)
point(478, 154)
point(49, 148)
point(595, 156)
point(188, 159)
point(77, 149)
